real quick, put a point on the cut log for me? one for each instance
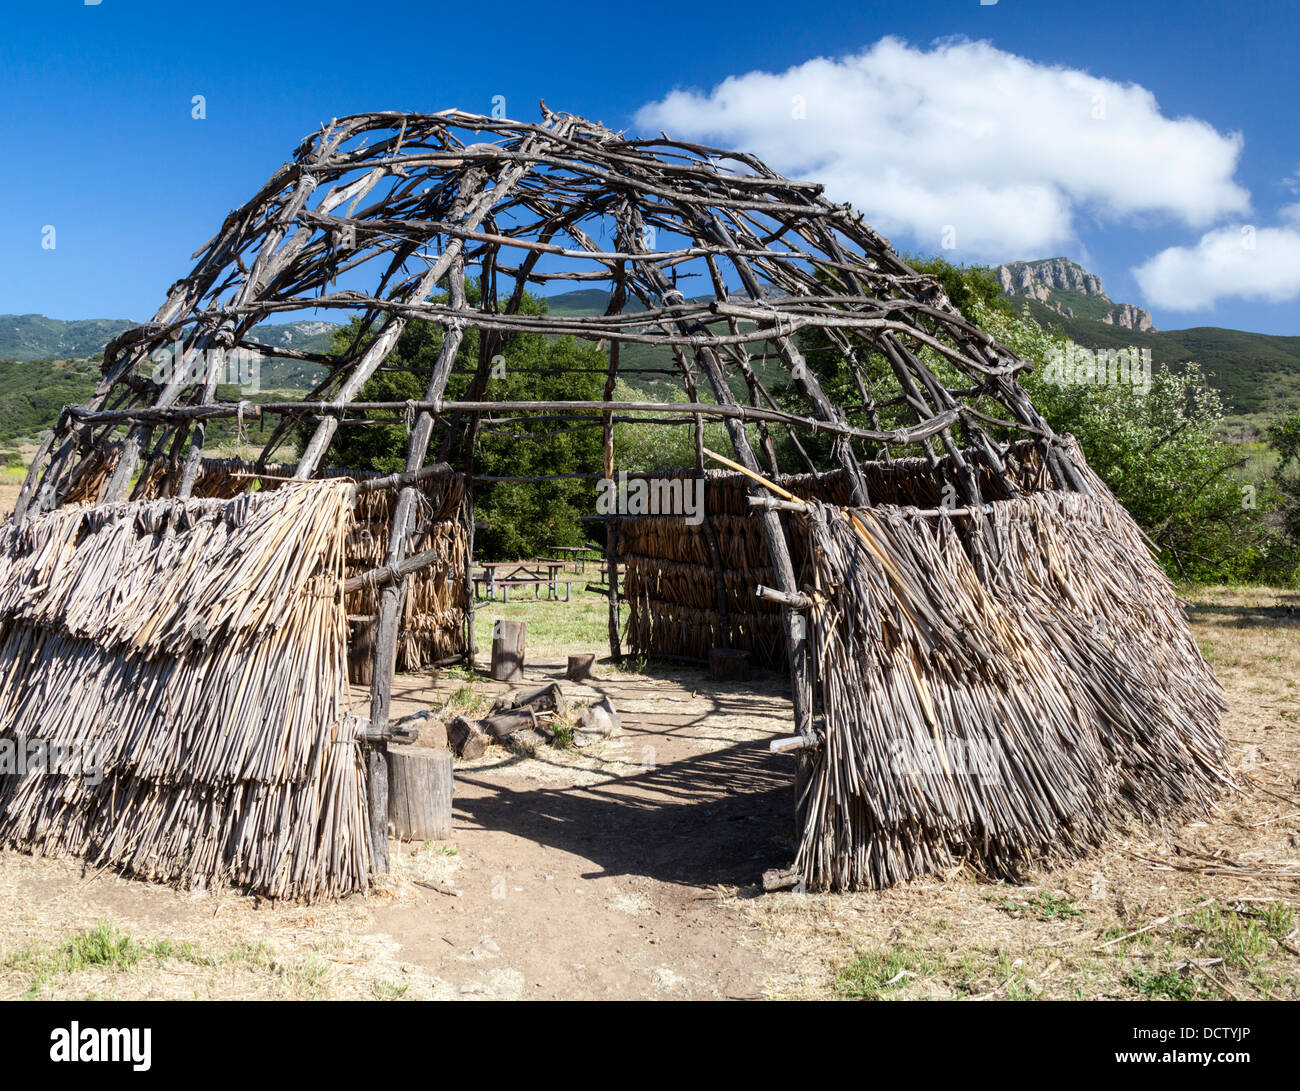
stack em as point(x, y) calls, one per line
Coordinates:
point(466, 738)
point(547, 698)
point(508, 650)
point(580, 667)
point(507, 723)
point(419, 793)
point(780, 879)
point(729, 664)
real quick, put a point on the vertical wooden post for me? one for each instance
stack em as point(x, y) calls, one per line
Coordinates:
point(611, 519)
point(508, 650)
point(471, 650)
point(391, 599)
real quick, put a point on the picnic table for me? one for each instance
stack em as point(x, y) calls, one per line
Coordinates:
point(503, 575)
point(581, 554)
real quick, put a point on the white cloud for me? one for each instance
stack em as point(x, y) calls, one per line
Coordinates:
point(1231, 262)
point(1006, 151)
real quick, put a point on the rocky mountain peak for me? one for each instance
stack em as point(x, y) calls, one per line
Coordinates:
point(1058, 283)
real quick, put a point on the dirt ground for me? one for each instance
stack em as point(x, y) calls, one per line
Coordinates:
point(629, 870)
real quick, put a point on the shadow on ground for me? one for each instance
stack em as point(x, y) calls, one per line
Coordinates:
point(719, 817)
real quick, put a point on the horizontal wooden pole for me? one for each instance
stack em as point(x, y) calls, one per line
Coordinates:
point(793, 599)
point(386, 574)
point(401, 480)
point(769, 503)
point(707, 410)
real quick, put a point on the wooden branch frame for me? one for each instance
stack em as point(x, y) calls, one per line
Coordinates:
point(427, 201)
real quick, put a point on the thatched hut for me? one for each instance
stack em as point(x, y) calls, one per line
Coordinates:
point(985, 662)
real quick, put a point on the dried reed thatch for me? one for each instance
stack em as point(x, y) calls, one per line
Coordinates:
point(434, 623)
point(1002, 711)
point(192, 652)
point(672, 581)
point(436, 613)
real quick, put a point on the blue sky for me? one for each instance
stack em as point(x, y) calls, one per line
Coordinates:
point(1166, 177)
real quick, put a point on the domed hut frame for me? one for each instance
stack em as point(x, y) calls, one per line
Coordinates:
point(436, 201)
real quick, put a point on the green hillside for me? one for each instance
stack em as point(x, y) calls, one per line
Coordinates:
point(1256, 373)
point(32, 393)
point(35, 337)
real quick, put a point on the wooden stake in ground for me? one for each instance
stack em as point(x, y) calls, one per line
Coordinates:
point(579, 669)
point(466, 738)
point(508, 650)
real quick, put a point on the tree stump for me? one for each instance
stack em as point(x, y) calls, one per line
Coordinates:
point(361, 651)
point(729, 664)
point(419, 793)
point(580, 667)
point(508, 650)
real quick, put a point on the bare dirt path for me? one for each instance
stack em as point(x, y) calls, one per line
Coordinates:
point(598, 875)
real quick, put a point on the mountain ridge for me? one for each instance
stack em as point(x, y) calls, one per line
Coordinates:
point(27, 337)
point(1066, 287)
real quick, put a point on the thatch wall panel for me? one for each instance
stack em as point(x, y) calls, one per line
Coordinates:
point(193, 655)
point(670, 584)
point(434, 621)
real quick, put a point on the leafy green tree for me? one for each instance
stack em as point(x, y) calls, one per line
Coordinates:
point(1162, 453)
point(525, 518)
point(971, 289)
point(1160, 450)
point(1284, 437)
point(647, 446)
point(522, 519)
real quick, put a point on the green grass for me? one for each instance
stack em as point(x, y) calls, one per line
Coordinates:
point(466, 701)
point(1164, 984)
point(1211, 951)
point(102, 947)
point(874, 974)
point(563, 730)
point(106, 948)
point(551, 627)
point(304, 976)
point(390, 990)
point(1216, 953)
point(1240, 940)
point(906, 972)
point(1042, 907)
